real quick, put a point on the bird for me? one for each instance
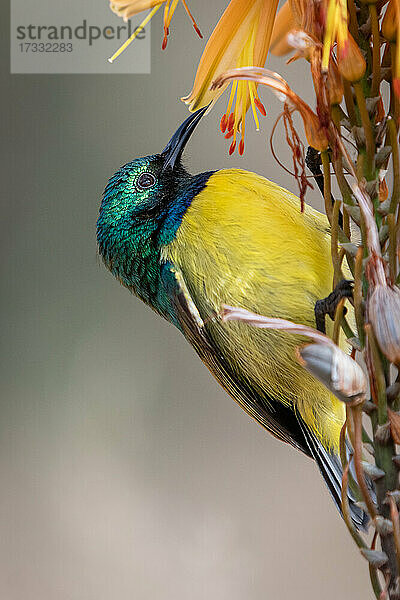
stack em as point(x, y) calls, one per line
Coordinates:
point(188, 244)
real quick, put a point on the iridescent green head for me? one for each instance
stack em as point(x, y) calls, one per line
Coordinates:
point(142, 208)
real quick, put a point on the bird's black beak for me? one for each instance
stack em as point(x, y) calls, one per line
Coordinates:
point(176, 145)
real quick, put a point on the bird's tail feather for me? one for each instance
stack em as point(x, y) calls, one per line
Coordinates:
point(330, 467)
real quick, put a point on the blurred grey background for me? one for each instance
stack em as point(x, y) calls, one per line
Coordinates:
point(126, 472)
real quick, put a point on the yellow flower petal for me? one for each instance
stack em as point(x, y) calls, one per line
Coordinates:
point(336, 29)
point(240, 38)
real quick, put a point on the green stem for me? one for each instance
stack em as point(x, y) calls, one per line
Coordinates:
point(358, 295)
point(337, 271)
point(353, 24)
point(379, 376)
point(327, 184)
point(357, 420)
point(376, 51)
point(349, 101)
point(369, 136)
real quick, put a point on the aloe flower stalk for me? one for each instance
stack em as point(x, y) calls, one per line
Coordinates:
point(352, 49)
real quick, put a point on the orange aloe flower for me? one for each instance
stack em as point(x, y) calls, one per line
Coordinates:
point(241, 38)
point(326, 25)
point(128, 8)
point(298, 16)
point(336, 29)
point(299, 27)
point(391, 31)
point(285, 25)
point(315, 134)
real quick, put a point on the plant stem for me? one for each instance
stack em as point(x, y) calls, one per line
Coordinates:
point(376, 51)
point(369, 137)
point(327, 184)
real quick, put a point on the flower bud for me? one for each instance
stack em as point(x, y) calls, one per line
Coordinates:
point(383, 526)
point(351, 63)
point(336, 370)
point(376, 558)
point(384, 315)
point(389, 23)
point(315, 134)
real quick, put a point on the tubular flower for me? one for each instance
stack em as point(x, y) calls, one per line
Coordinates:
point(295, 29)
point(241, 38)
point(285, 25)
point(389, 22)
point(327, 24)
point(129, 8)
point(336, 29)
point(298, 16)
point(315, 134)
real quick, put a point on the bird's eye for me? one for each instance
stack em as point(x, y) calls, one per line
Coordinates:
point(145, 181)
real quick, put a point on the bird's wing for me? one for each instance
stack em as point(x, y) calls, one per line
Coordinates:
point(282, 422)
point(278, 419)
point(244, 242)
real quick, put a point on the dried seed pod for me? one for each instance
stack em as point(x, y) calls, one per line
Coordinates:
point(383, 434)
point(352, 249)
point(372, 471)
point(383, 526)
point(375, 558)
point(354, 212)
point(355, 343)
point(384, 315)
point(395, 494)
point(359, 135)
point(393, 391)
point(383, 233)
point(369, 407)
point(371, 187)
point(336, 370)
point(382, 156)
point(372, 104)
point(384, 207)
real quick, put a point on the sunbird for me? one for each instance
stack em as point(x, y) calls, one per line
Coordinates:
point(188, 244)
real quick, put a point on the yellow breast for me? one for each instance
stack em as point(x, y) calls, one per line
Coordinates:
point(244, 242)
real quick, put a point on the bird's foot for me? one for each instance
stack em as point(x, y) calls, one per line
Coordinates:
point(328, 305)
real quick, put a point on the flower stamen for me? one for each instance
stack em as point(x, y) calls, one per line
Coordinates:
point(191, 17)
point(253, 106)
point(134, 34)
point(129, 8)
